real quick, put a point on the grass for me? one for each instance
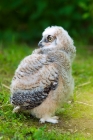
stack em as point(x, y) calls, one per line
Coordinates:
point(76, 118)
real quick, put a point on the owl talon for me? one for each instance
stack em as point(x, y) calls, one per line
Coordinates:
point(53, 120)
point(42, 120)
point(55, 117)
point(16, 109)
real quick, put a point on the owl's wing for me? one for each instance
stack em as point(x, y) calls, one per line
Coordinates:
point(35, 77)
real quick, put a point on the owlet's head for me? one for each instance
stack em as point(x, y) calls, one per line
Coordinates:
point(57, 37)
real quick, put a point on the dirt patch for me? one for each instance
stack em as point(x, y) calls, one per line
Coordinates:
point(82, 125)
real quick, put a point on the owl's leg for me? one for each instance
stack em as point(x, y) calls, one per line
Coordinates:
point(53, 119)
point(16, 109)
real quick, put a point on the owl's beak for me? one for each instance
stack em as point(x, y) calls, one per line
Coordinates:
point(40, 44)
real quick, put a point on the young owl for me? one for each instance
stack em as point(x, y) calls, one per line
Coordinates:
point(43, 80)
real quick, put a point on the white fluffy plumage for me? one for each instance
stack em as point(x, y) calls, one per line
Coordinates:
point(44, 79)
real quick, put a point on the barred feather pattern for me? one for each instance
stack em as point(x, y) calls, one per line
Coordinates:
point(28, 89)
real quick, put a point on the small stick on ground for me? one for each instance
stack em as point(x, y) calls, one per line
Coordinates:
point(83, 103)
point(84, 84)
point(5, 105)
point(5, 86)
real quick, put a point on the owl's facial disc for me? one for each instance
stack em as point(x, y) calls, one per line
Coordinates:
point(46, 41)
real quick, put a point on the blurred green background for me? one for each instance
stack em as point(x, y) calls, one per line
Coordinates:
point(25, 20)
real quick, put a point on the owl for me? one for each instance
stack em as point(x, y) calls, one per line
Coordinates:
point(43, 80)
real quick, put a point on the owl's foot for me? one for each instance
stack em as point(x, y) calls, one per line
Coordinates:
point(16, 109)
point(53, 119)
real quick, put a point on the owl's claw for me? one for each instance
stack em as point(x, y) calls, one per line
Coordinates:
point(53, 119)
point(16, 109)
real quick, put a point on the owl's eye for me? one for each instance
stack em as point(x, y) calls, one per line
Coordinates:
point(49, 38)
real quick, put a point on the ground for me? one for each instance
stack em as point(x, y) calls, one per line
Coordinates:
point(75, 117)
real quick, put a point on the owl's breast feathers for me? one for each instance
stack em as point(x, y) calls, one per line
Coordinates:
point(35, 77)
